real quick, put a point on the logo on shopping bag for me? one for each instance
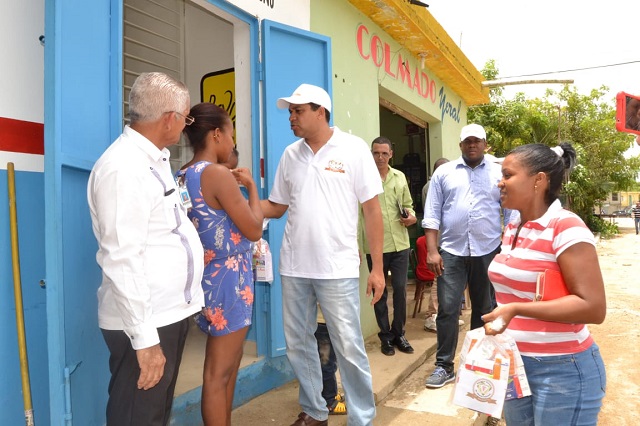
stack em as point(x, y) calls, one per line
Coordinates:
point(483, 390)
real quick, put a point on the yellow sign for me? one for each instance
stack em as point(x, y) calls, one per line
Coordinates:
point(219, 88)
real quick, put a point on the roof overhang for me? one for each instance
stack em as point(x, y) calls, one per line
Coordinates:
point(417, 31)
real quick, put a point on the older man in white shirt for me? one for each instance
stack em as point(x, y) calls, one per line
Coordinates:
point(150, 254)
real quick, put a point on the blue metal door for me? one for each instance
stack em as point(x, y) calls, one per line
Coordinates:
point(83, 113)
point(291, 57)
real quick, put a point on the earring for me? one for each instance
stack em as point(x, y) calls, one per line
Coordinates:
point(535, 188)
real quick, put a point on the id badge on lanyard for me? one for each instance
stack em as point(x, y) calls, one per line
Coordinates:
point(184, 193)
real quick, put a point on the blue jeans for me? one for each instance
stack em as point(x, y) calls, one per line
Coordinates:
point(328, 364)
point(398, 263)
point(458, 272)
point(340, 302)
point(565, 390)
point(637, 223)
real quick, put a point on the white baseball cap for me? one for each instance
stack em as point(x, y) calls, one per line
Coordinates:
point(307, 94)
point(473, 130)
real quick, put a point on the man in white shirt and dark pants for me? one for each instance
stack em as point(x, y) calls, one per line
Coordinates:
point(150, 254)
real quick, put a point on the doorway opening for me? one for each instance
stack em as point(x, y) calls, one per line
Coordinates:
point(411, 154)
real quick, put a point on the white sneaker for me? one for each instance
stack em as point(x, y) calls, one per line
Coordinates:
point(430, 323)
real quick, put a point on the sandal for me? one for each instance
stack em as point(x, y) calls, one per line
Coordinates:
point(338, 407)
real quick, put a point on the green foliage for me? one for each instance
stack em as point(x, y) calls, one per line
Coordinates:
point(606, 228)
point(587, 121)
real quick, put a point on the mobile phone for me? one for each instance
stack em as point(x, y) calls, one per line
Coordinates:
point(403, 212)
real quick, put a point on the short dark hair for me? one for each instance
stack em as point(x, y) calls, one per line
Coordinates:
point(382, 140)
point(537, 157)
point(327, 114)
point(207, 117)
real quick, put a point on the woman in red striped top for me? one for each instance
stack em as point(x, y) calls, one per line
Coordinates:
point(562, 362)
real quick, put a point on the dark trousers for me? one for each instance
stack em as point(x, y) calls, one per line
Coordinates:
point(458, 272)
point(328, 363)
point(128, 405)
point(397, 263)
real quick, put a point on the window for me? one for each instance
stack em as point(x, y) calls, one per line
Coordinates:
point(153, 41)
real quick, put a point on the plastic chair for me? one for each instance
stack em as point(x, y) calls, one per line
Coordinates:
point(421, 286)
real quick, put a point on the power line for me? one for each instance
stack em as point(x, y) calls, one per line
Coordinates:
point(576, 69)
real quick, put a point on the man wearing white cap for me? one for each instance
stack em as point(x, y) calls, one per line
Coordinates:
point(463, 202)
point(321, 180)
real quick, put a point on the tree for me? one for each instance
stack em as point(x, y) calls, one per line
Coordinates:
point(587, 121)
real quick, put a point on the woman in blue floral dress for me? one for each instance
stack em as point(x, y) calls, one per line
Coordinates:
point(227, 224)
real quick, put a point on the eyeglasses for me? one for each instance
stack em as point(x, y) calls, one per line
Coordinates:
point(381, 154)
point(188, 120)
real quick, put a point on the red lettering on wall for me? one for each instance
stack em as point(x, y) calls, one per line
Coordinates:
point(379, 52)
point(425, 85)
point(416, 81)
point(359, 40)
point(376, 49)
point(403, 72)
point(387, 60)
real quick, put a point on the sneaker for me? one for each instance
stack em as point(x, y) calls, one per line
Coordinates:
point(430, 324)
point(439, 378)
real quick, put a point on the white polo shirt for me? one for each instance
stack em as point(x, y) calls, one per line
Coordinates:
point(323, 192)
point(149, 251)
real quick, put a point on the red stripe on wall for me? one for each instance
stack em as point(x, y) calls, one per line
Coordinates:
point(21, 136)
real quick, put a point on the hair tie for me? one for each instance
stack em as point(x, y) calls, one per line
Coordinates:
point(558, 150)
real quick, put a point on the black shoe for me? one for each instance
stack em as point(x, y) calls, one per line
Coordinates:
point(386, 347)
point(403, 345)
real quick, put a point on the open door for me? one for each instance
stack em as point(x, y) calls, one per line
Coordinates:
point(83, 81)
point(291, 57)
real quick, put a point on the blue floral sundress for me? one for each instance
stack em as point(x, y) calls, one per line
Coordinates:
point(228, 277)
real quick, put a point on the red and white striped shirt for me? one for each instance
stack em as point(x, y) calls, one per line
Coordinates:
point(514, 271)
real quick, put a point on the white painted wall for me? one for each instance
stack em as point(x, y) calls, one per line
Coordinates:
point(291, 12)
point(22, 60)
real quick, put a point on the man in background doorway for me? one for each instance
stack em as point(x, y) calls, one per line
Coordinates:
point(397, 215)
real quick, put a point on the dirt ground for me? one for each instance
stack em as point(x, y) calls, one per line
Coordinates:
point(619, 335)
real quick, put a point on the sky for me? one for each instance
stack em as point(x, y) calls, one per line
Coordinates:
point(546, 36)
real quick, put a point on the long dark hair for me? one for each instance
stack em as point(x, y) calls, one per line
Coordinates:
point(537, 157)
point(207, 117)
